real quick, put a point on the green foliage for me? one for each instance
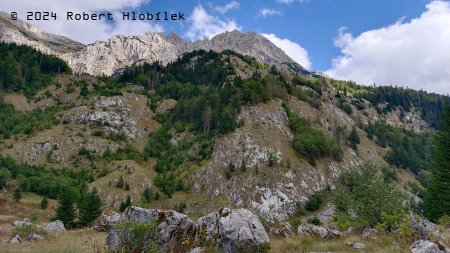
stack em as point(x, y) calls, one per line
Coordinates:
point(437, 198)
point(25, 231)
point(314, 220)
point(310, 142)
point(345, 107)
point(90, 208)
point(44, 203)
point(25, 69)
point(120, 183)
point(180, 207)
point(66, 211)
point(17, 194)
point(408, 150)
point(430, 105)
point(13, 122)
point(137, 237)
point(353, 139)
point(314, 201)
point(126, 204)
point(365, 193)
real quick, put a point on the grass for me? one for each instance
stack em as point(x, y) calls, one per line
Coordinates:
point(384, 244)
point(73, 241)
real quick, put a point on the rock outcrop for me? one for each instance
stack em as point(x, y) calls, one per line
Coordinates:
point(425, 246)
point(55, 226)
point(22, 223)
point(172, 228)
point(235, 230)
point(107, 221)
point(313, 230)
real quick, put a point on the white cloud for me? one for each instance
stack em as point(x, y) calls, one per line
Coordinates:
point(267, 12)
point(227, 7)
point(290, 1)
point(292, 49)
point(84, 31)
point(204, 25)
point(414, 54)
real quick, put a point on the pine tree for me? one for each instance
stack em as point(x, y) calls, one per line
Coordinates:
point(65, 211)
point(91, 208)
point(44, 203)
point(147, 194)
point(125, 204)
point(17, 194)
point(120, 183)
point(437, 199)
point(353, 138)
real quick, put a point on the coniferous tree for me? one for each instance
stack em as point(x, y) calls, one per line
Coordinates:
point(44, 203)
point(66, 211)
point(17, 194)
point(437, 199)
point(91, 208)
point(354, 138)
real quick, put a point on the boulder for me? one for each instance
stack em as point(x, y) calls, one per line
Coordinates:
point(22, 223)
point(35, 237)
point(424, 228)
point(55, 226)
point(313, 230)
point(107, 221)
point(15, 240)
point(369, 233)
point(197, 250)
point(355, 245)
point(282, 230)
point(235, 230)
point(172, 228)
point(426, 246)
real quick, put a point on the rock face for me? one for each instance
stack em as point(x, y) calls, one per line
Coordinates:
point(55, 227)
point(322, 232)
point(23, 33)
point(425, 246)
point(15, 240)
point(172, 228)
point(107, 57)
point(233, 230)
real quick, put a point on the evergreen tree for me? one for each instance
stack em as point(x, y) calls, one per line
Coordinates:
point(147, 194)
point(125, 204)
point(120, 183)
point(353, 138)
point(44, 203)
point(65, 211)
point(437, 199)
point(17, 194)
point(91, 208)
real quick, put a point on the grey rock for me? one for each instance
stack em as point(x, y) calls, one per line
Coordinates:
point(172, 227)
point(107, 221)
point(425, 246)
point(355, 245)
point(22, 223)
point(424, 228)
point(319, 231)
point(55, 226)
point(35, 237)
point(369, 233)
point(15, 240)
point(197, 250)
point(232, 230)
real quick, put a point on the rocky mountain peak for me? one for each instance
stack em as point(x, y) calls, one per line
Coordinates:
point(107, 57)
point(23, 33)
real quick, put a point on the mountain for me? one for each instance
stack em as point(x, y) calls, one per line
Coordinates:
point(23, 33)
point(107, 57)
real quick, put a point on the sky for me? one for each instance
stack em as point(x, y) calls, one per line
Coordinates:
point(382, 42)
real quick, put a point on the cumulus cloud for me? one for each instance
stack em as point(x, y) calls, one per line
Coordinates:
point(292, 49)
point(84, 31)
point(267, 12)
point(414, 54)
point(227, 7)
point(203, 25)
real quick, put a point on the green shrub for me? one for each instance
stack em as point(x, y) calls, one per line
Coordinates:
point(314, 220)
point(137, 237)
point(314, 201)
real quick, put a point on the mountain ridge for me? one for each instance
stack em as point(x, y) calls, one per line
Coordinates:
point(120, 51)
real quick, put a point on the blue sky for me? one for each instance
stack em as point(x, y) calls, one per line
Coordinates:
point(383, 42)
point(313, 24)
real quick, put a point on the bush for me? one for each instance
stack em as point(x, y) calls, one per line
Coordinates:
point(365, 192)
point(137, 237)
point(314, 220)
point(314, 201)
